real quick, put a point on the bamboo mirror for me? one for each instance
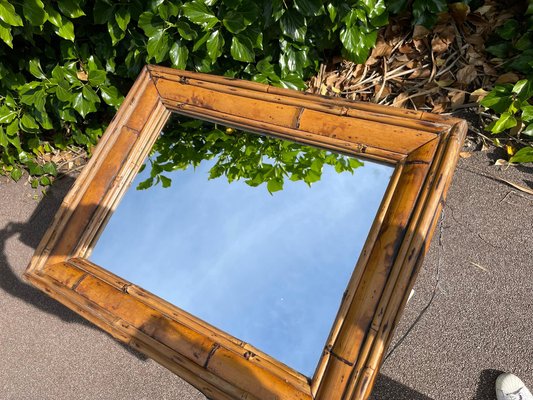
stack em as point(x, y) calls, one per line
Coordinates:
point(244, 284)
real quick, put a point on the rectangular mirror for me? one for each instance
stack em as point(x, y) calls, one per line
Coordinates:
point(256, 236)
point(254, 267)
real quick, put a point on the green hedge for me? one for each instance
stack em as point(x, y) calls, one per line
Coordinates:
point(512, 43)
point(65, 65)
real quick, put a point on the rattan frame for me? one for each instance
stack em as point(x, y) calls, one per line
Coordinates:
point(424, 149)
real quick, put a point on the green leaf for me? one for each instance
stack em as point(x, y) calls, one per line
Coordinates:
point(276, 12)
point(215, 44)
point(508, 30)
point(350, 38)
point(97, 77)
point(500, 50)
point(200, 41)
point(395, 6)
point(43, 119)
point(67, 114)
point(63, 93)
point(234, 22)
point(3, 139)
point(255, 35)
point(312, 176)
point(16, 174)
point(292, 81)
point(45, 181)
point(309, 7)
point(63, 27)
point(523, 62)
point(33, 94)
point(528, 131)
point(527, 113)
point(5, 34)
point(261, 79)
point(13, 128)
point(375, 8)
point(123, 17)
point(525, 41)
point(523, 89)
point(34, 12)
point(275, 185)
point(33, 168)
point(166, 182)
point(115, 33)
point(50, 168)
point(103, 11)
point(506, 121)
point(197, 12)
point(111, 95)
point(7, 115)
point(523, 155)
point(185, 30)
point(15, 141)
point(332, 11)
point(168, 9)
point(293, 25)
point(158, 46)
point(293, 60)
point(150, 23)
point(425, 11)
point(178, 55)
point(8, 14)
point(499, 99)
point(145, 184)
point(266, 68)
point(355, 163)
point(82, 105)
point(89, 94)
point(36, 70)
point(354, 16)
point(242, 49)
point(357, 43)
point(250, 11)
point(70, 8)
point(28, 123)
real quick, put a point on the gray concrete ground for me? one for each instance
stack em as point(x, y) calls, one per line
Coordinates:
point(464, 324)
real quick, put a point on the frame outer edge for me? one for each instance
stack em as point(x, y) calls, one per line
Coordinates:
point(439, 184)
point(136, 120)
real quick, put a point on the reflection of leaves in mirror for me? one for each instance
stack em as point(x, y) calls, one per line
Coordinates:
point(238, 155)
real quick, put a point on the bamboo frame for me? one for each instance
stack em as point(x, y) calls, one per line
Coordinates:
point(423, 147)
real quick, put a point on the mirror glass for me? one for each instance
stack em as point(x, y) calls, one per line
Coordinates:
point(256, 236)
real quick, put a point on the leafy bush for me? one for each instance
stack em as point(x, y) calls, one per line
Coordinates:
point(513, 44)
point(65, 65)
point(426, 12)
point(423, 12)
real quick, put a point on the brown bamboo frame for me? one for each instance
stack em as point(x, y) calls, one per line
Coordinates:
point(423, 147)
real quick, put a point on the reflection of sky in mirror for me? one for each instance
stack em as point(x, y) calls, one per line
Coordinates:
point(268, 269)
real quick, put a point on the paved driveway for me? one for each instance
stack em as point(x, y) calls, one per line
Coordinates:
point(464, 324)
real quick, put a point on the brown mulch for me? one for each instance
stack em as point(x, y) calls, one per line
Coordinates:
point(442, 70)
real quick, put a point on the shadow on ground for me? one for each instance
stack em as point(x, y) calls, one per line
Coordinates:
point(485, 387)
point(30, 233)
point(388, 389)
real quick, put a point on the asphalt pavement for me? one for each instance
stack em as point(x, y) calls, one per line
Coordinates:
point(471, 315)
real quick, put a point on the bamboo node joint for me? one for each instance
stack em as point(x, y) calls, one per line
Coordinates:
point(125, 287)
point(215, 347)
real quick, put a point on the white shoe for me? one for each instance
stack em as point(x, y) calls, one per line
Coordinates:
point(511, 387)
